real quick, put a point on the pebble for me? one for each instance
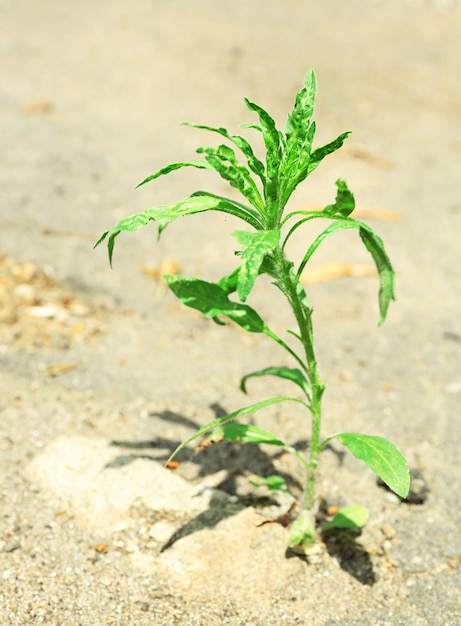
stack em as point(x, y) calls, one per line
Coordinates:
point(130, 547)
point(25, 294)
point(11, 545)
point(387, 530)
point(161, 531)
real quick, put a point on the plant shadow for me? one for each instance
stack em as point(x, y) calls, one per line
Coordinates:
point(210, 518)
point(240, 460)
point(342, 545)
point(237, 459)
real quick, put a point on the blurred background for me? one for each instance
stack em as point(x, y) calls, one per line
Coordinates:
point(92, 96)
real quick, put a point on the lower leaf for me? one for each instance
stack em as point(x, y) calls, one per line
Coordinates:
point(247, 433)
point(220, 421)
point(274, 483)
point(348, 517)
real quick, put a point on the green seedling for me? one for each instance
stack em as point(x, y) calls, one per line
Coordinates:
point(274, 483)
point(266, 188)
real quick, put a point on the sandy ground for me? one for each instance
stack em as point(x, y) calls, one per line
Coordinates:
point(103, 371)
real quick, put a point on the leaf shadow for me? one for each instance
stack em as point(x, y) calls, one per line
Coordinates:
point(207, 519)
point(126, 459)
point(232, 456)
point(352, 557)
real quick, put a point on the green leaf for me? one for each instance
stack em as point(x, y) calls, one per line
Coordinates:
point(293, 374)
point(343, 206)
point(348, 517)
point(274, 483)
point(299, 136)
point(344, 203)
point(223, 160)
point(229, 283)
point(257, 246)
point(294, 168)
point(370, 239)
point(319, 154)
point(219, 421)
point(254, 163)
point(298, 120)
point(247, 433)
point(253, 126)
point(285, 346)
point(375, 247)
point(196, 203)
point(212, 300)
point(202, 165)
point(339, 224)
point(273, 143)
point(302, 531)
point(382, 457)
point(243, 211)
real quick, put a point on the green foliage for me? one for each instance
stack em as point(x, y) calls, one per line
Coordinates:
point(232, 436)
point(293, 374)
point(256, 246)
point(213, 301)
point(302, 531)
point(266, 187)
point(348, 517)
point(382, 457)
point(274, 483)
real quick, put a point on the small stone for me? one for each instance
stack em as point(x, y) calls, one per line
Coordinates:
point(131, 547)
point(333, 509)
point(42, 311)
point(101, 547)
point(25, 294)
point(161, 531)
point(11, 545)
point(388, 531)
point(391, 497)
point(453, 563)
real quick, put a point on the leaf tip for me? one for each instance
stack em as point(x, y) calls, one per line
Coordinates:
point(310, 79)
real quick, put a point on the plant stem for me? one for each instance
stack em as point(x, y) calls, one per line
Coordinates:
point(303, 314)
